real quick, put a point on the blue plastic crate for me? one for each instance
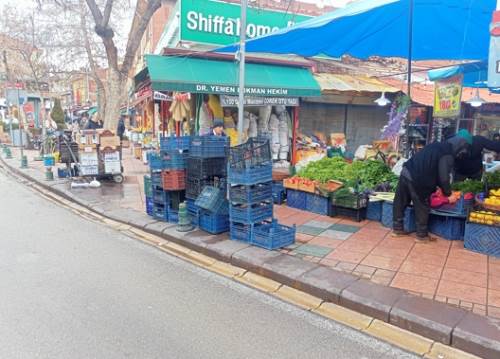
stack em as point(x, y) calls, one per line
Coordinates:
point(251, 176)
point(213, 199)
point(252, 213)
point(174, 161)
point(175, 144)
point(461, 207)
point(273, 235)
point(156, 162)
point(318, 204)
point(160, 212)
point(49, 161)
point(447, 226)
point(173, 216)
point(213, 223)
point(251, 194)
point(387, 218)
point(482, 238)
point(209, 146)
point(374, 210)
point(156, 179)
point(149, 205)
point(279, 193)
point(241, 232)
point(296, 199)
point(160, 196)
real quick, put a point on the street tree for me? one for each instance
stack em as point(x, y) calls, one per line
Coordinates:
point(57, 114)
point(119, 69)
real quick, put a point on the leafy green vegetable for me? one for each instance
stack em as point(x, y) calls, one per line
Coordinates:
point(468, 186)
point(493, 179)
point(367, 174)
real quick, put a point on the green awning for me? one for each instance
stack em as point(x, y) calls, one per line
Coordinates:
point(184, 74)
point(92, 110)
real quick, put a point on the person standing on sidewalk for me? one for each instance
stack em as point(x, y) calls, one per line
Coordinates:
point(121, 128)
point(421, 175)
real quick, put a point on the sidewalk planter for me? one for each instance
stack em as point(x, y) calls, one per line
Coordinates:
point(250, 194)
point(273, 235)
point(446, 225)
point(374, 210)
point(387, 217)
point(249, 214)
point(318, 204)
point(296, 199)
point(251, 176)
point(213, 223)
point(241, 232)
point(482, 238)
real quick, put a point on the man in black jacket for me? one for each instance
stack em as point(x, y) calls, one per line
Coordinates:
point(421, 175)
point(471, 166)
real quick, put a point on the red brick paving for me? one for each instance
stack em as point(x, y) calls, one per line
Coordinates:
point(441, 270)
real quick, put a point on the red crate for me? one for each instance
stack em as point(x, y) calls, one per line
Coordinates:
point(173, 180)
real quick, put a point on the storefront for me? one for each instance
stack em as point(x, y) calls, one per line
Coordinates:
point(273, 96)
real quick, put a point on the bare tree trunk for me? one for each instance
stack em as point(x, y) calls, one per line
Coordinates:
point(114, 95)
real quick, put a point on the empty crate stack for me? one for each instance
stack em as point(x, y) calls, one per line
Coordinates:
point(251, 197)
point(213, 211)
point(206, 166)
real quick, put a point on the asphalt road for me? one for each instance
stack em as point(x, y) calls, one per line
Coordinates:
point(70, 288)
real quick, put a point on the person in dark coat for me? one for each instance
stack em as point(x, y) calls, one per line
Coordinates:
point(121, 128)
point(218, 128)
point(421, 175)
point(471, 166)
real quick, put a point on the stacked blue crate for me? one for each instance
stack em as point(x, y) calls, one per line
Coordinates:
point(171, 156)
point(251, 197)
point(213, 215)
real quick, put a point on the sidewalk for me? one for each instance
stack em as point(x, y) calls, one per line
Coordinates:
point(442, 271)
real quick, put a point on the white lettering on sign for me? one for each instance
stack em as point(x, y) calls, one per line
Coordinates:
point(202, 88)
point(196, 21)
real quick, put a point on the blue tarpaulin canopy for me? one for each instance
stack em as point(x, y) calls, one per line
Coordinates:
point(475, 73)
point(442, 30)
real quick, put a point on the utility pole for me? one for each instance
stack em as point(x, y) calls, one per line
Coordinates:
point(241, 58)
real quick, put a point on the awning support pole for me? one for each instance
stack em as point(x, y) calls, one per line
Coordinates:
point(406, 145)
point(241, 94)
point(295, 129)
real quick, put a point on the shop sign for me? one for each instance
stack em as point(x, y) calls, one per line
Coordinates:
point(160, 96)
point(447, 97)
point(218, 23)
point(143, 93)
point(232, 101)
point(235, 90)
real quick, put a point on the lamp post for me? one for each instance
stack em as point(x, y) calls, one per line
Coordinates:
point(241, 58)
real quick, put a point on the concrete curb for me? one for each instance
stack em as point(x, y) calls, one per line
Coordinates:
point(309, 285)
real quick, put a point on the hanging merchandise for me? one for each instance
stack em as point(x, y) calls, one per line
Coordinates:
point(275, 138)
point(205, 117)
point(180, 108)
point(283, 135)
point(252, 125)
point(214, 104)
point(264, 116)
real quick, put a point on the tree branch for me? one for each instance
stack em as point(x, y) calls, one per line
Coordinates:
point(107, 13)
point(144, 12)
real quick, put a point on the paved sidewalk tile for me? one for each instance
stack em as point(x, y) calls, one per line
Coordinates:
point(312, 250)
